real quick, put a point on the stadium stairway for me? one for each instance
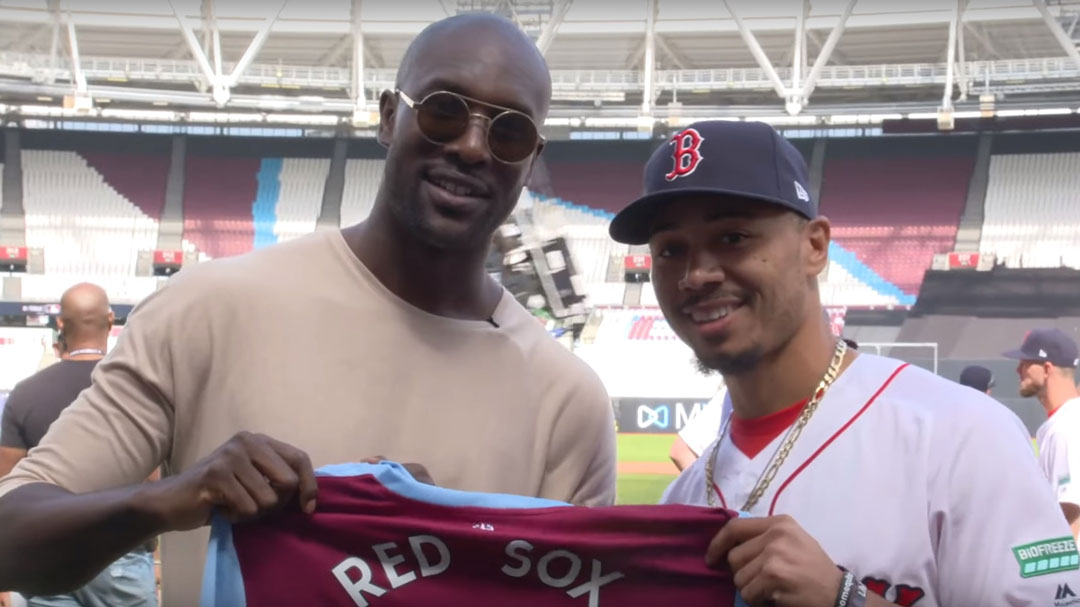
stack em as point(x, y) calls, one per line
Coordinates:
point(264, 209)
point(865, 275)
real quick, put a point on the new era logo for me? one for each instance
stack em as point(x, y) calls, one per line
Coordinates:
point(801, 193)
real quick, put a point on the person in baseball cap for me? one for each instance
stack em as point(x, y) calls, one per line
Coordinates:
point(746, 160)
point(737, 246)
point(1048, 360)
point(1047, 346)
point(978, 377)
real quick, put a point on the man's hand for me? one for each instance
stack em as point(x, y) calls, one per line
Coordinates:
point(776, 562)
point(418, 471)
point(5, 599)
point(248, 476)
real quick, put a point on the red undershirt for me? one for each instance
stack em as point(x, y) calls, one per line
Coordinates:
point(753, 435)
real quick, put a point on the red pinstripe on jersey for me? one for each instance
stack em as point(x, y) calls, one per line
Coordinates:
point(804, 465)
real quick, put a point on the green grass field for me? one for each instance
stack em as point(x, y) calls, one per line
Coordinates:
point(644, 447)
point(643, 488)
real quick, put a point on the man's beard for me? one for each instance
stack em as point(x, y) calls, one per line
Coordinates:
point(1028, 391)
point(729, 365)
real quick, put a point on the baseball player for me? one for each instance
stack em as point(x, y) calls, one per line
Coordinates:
point(870, 482)
point(1048, 360)
point(977, 377)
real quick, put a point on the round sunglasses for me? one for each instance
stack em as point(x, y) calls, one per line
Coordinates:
point(444, 117)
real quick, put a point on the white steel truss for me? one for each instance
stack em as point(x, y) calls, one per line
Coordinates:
point(171, 77)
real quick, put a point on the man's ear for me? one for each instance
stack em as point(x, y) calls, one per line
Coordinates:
point(388, 104)
point(817, 233)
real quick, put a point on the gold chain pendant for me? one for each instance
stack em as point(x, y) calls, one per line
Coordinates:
point(789, 441)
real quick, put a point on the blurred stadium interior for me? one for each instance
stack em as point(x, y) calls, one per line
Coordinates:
point(138, 137)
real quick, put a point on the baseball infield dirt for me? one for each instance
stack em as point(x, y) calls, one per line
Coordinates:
point(647, 468)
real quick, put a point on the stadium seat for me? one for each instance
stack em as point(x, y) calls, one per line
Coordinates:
point(219, 193)
point(896, 212)
point(586, 234)
point(298, 205)
point(598, 184)
point(1023, 192)
point(85, 227)
point(362, 178)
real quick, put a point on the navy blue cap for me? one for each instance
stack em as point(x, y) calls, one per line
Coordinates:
point(741, 159)
point(978, 377)
point(1047, 345)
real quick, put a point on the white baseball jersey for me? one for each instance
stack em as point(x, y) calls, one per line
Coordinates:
point(1059, 451)
point(928, 491)
point(701, 430)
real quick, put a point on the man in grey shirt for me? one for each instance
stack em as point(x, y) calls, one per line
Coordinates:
point(36, 402)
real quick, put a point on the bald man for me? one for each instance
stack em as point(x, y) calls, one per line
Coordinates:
point(413, 353)
point(36, 402)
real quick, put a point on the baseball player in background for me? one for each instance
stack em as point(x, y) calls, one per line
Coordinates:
point(869, 482)
point(977, 377)
point(1048, 360)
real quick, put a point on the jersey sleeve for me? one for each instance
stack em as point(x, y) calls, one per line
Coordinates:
point(120, 428)
point(1064, 459)
point(1000, 536)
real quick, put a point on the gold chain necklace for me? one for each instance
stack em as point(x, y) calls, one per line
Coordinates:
point(789, 441)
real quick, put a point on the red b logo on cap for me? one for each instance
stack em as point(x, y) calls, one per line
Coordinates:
point(686, 154)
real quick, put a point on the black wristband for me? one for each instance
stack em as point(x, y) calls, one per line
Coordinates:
point(858, 595)
point(847, 585)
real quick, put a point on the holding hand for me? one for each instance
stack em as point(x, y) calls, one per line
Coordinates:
point(776, 562)
point(248, 476)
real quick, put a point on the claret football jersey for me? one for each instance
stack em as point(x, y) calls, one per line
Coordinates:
point(378, 537)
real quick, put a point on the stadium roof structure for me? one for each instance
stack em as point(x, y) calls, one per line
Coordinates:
point(329, 59)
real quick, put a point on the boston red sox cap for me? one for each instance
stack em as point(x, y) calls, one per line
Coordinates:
point(978, 377)
point(741, 159)
point(1047, 345)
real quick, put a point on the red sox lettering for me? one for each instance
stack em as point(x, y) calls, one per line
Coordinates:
point(558, 569)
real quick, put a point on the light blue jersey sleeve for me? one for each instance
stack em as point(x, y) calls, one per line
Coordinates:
point(223, 584)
